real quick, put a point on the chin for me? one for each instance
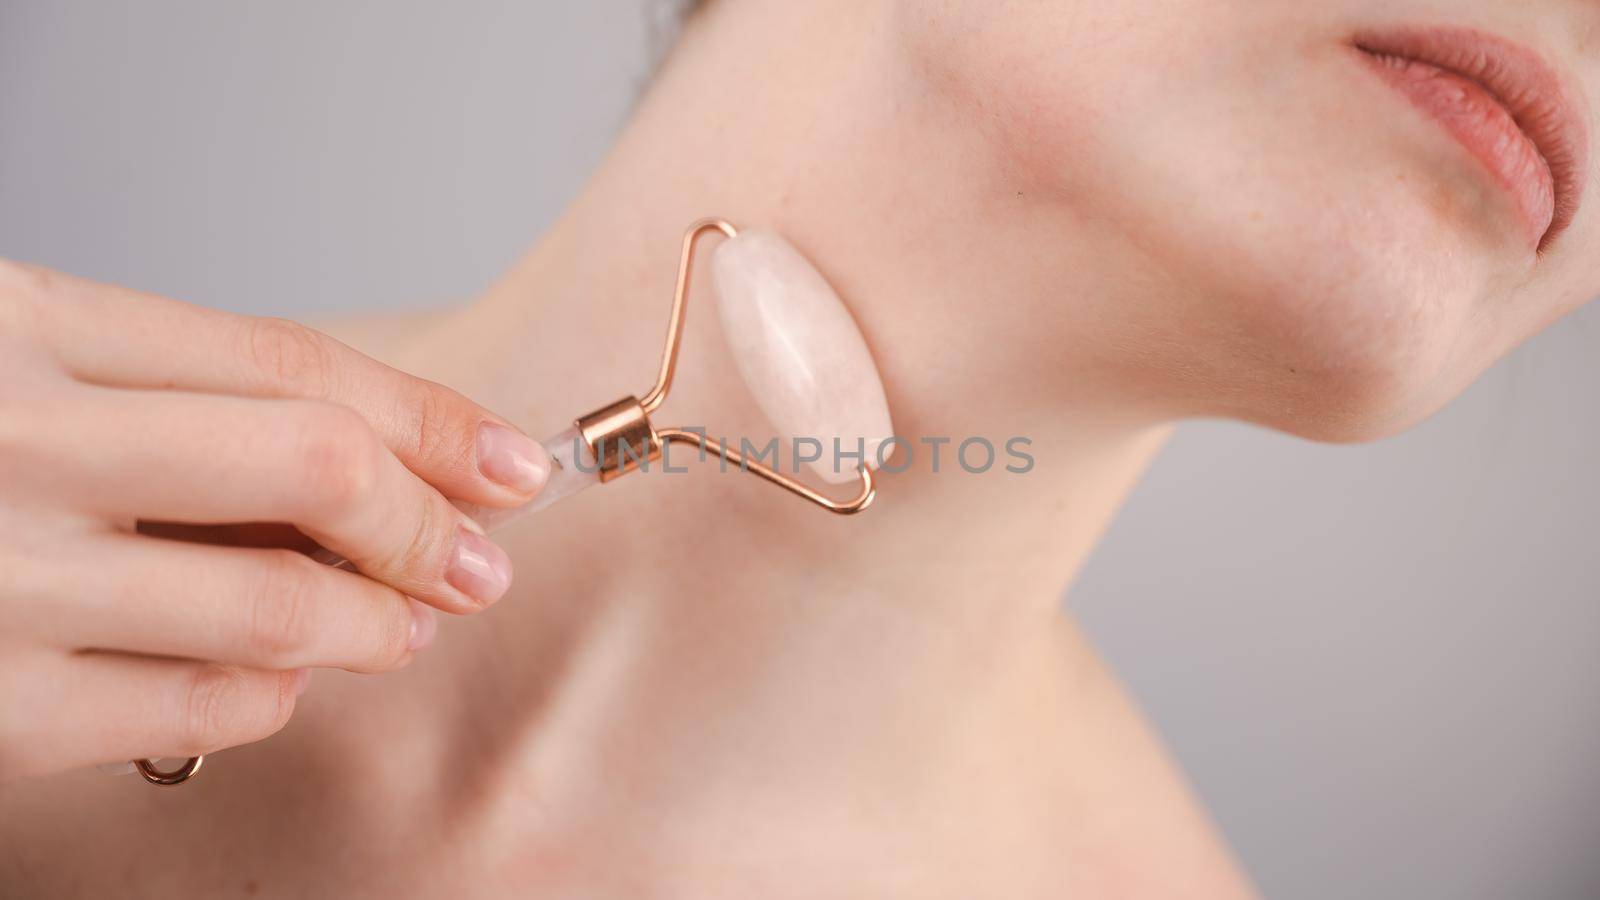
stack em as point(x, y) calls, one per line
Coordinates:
point(1355, 321)
point(1361, 344)
point(1278, 236)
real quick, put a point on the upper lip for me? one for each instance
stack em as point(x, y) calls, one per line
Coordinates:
point(1539, 100)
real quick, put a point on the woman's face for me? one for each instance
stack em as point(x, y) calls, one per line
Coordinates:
point(1362, 203)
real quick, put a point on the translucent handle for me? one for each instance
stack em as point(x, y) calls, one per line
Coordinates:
point(572, 469)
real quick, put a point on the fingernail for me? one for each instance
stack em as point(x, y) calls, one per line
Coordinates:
point(423, 625)
point(511, 458)
point(479, 569)
point(302, 680)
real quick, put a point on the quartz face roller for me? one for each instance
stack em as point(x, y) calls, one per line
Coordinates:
point(800, 351)
point(797, 348)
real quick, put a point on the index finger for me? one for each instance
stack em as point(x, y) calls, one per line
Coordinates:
point(119, 337)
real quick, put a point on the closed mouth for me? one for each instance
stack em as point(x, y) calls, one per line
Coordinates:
point(1504, 105)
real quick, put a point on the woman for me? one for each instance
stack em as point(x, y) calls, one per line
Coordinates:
point(1074, 222)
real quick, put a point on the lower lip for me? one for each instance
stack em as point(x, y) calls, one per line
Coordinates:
point(1486, 129)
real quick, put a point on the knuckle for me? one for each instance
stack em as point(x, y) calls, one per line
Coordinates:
point(428, 425)
point(22, 287)
point(27, 576)
point(288, 354)
point(37, 418)
point(338, 459)
point(423, 553)
point(36, 405)
point(29, 373)
point(212, 708)
point(392, 633)
point(19, 279)
point(280, 707)
point(439, 429)
point(281, 623)
point(416, 561)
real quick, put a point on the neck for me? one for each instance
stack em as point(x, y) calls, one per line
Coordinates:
point(811, 120)
point(736, 629)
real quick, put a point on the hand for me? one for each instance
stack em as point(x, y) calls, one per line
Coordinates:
point(120, 411)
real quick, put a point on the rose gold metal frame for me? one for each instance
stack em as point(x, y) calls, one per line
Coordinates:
point(621, 436)
point(622, 439)
point(858, 503)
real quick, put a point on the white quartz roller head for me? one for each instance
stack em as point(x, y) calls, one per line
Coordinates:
point(800, 352)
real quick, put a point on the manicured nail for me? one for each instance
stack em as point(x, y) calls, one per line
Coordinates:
point(423, 625)
point(479, 569)
point(302, 680)
point(512, 458)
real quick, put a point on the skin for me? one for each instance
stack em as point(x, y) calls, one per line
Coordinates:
point(207, 419)
point(1079, 222)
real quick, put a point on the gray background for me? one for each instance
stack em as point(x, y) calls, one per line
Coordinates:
point(1380, 665)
